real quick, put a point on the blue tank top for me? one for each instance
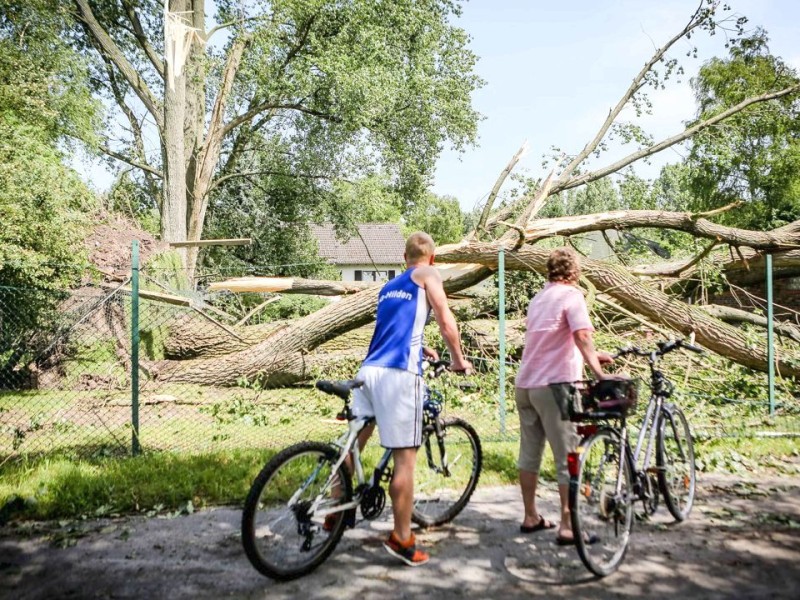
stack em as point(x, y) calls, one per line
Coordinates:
point(402, 313)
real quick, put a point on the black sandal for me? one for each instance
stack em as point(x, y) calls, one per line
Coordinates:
point(541, 525)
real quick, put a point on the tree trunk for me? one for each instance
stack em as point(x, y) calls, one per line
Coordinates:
point(276, 360)
point(194, 122)
point(190, 337)
point(174, 209)
point(645, 300)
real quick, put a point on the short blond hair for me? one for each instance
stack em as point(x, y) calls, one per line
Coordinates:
point(563, 265)
point(419, 245)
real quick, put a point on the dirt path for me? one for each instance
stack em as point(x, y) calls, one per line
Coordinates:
point(742, 541)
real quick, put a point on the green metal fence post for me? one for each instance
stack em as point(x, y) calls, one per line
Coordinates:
point(501, 289)
point(770, 340)
point(135, 447)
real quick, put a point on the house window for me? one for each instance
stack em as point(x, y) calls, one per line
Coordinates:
point(374, 276)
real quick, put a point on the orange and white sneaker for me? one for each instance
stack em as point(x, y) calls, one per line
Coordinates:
point(406, 551)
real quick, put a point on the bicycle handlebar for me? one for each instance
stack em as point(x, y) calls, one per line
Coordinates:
point(663, 348)
point(438, 366)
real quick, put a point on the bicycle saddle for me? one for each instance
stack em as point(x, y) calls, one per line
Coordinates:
point(339, 388)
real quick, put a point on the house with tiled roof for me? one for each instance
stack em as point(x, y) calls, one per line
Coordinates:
point(375, 253)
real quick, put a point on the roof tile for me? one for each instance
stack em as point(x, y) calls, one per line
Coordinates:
point(385, 242)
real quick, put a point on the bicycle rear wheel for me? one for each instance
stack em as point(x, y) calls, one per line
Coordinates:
point(282, 535)
point(601, 518)
point(675, 461)
point(446, 472)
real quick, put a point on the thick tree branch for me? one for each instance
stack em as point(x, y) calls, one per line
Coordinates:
point(141, 37)
point(638, 82)
point(537, 202)
point(216, 130)
point(132, 162)
point(487, 208)
point(672, 269)
point(649, 151)
point(131, 75)
point(645, 300)
point(681, 221)
point(735, 315)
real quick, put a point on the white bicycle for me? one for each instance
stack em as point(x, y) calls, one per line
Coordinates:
point(303, 498)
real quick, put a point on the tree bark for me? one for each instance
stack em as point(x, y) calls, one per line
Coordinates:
point(175, 204)
point(276, 360)
point(658, 307)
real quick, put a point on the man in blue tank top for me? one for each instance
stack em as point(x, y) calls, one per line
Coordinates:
point(393, 389)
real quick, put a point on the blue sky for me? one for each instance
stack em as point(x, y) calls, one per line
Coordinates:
point(555, 69)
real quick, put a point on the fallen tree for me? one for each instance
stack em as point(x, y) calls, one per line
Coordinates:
point(279, 358)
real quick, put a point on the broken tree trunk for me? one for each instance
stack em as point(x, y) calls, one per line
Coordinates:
point(636, 296)
point(190, 337)
point(277, 360)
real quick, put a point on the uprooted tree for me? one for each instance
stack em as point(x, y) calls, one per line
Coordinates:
point(654, 294)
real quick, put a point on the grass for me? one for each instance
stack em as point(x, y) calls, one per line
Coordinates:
point(60, 487)
point(70, 446)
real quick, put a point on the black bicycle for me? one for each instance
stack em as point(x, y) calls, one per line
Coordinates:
point(606, 475)
point(303, 498)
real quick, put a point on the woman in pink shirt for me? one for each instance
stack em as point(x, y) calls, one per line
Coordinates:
point(558, 340)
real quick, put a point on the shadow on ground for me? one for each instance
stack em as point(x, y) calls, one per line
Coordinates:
point(741, 541)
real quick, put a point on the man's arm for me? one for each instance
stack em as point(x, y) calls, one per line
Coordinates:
point(431, 280)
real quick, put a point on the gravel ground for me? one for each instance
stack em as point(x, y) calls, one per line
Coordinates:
point(741, 541)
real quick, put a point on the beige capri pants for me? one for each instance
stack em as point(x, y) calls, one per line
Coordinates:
point(540, 419)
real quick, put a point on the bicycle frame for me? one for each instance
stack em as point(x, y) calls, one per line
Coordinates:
point(347, 444)
point(648, 431)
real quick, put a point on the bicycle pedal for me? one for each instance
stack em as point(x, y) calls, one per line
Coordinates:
point(350, 518)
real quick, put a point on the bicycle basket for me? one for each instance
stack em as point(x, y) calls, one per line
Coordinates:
point(604, 399)
point(615, 396)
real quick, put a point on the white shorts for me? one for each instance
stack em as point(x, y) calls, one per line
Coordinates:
point(394, 397)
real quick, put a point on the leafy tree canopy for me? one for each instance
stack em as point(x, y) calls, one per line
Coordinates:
point(440, 216)
point(44, 100)
point(755, 154)
point(335, 91)
point(43, 82)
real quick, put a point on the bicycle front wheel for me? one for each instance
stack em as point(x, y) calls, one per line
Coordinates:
point(283, 534)
point(601, 517)
point(446, 472)
point(675, 461)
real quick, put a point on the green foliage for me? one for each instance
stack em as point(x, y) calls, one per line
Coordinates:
point(43, 101)
point(392, 76)
point(521, 287)
point(440, 217)
point(292, 306)
point(43, 82)
point(132, 200)
point(274, 210)
point(370, 199)
point(164, 268)
point(755, 154)
point(42, 209)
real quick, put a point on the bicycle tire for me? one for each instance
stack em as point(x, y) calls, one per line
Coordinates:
point(283, 541)
point(601, 521)
point(677, 473)
point(440, 493)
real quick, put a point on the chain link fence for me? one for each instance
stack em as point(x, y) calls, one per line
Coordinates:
point(66, 366)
